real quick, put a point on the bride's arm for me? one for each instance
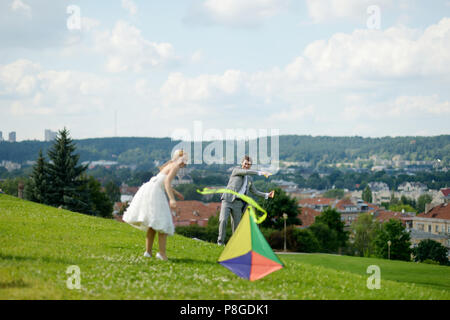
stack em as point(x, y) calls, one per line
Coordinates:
point(178, 194)
point(167, 184)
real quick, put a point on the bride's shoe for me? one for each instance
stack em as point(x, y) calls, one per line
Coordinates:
point(160, 257)
point(147, 255)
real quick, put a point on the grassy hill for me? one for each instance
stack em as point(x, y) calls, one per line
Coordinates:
point(39, 243)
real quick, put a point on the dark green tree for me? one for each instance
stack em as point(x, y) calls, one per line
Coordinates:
point(99, 202)
point(112, 190)
point(326, 237)
point(39, 181)
point(306, 241)
point(364, 231)
point(393, 231)
point(367, 195)
point(332, 219)
point(432, 250)
point(334, 193)
point(422, 201)
point(65, 186)
point(276, 206)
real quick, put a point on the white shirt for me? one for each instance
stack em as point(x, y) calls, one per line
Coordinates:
point(244, 186)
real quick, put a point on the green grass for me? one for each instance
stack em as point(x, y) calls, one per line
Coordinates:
point(39, 243)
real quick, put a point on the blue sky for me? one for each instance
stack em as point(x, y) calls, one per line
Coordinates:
point(317, 67)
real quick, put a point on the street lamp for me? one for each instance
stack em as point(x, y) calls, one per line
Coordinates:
point(285, 216)
point(389, 249)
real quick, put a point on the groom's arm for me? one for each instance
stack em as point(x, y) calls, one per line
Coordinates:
point(258, 193)
point(245, 172)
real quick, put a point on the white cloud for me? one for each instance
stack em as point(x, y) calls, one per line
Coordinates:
point(204, 88)
point(30, 89)
point(293, 114)
point(88, 24)
point(21, 7)
point(127, 50)
point(130, 6)
point(402, 107)
point(372, 55)
point(18, 78)
point(364, 61)
point(236, 12)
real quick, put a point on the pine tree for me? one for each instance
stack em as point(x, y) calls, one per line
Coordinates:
point(367, 195)
point(65, 186)
point(39, 181)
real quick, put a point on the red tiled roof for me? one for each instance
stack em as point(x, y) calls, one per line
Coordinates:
point(445, 192)
point(128, 190)
point(193, 212)
point(385, 216)
point(315, 201)
point(441, 211)
point(344, 203)
point(307, 216)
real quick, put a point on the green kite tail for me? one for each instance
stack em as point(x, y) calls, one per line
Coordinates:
point(252, 204)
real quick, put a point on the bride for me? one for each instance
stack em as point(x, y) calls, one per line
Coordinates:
point(149, 209)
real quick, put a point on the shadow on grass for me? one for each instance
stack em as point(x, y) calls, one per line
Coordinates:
point(192, 261)
point(28, 258)
point(14, 284)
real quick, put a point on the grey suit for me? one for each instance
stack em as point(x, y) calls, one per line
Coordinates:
point(233, 206)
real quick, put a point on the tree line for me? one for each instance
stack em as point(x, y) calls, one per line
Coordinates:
point(316, 150)
point(62, 182)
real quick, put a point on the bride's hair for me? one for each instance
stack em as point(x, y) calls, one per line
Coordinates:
point(176, 155)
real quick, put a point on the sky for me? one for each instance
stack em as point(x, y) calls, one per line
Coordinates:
point(152, 68)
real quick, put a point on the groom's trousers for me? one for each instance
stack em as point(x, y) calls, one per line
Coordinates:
point(229, 208)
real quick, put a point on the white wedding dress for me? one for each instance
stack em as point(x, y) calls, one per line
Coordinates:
point(150, 207)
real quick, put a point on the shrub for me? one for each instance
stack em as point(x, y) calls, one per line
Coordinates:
point(430, 250)
point(298, 240)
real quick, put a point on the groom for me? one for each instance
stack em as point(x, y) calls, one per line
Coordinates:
point(241, 182)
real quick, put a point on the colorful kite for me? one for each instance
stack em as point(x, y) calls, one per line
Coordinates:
point(247, 253)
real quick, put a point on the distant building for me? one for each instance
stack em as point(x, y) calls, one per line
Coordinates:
point(12, 136)
point(378, 186)
point(102, 163)
point(50, 135)
point(1, 136)
point(318, 204)
point(412, 186)
point(182, 178)
point(287, 186)
point(433, 224)
point(446, 193)
point(9, 165)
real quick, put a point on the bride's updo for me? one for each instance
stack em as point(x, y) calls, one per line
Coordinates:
point(178, 156)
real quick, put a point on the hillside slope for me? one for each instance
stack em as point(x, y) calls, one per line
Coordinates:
point(39, 243)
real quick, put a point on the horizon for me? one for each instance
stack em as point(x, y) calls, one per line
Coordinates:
point(281, 135)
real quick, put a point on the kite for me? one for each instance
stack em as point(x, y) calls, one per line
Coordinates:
point(247, 253)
